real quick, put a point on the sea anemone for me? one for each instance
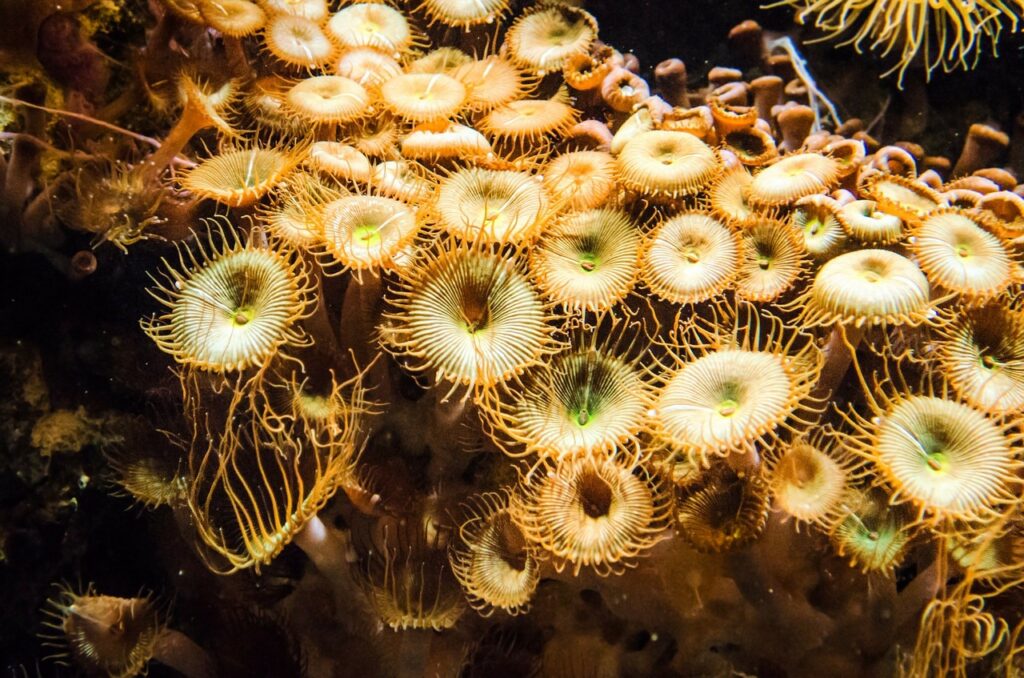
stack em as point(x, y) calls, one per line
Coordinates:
point(771, 261)
point(423, 96)
point(869, 532)
point(951, 461)
point(960, 256)
point(792, 178)
point(232, 304)
point(490, 82)
point(588, 260)
point(117, 636)
point(810, 478)
point(493, 206)
point(239, 177)
point(665, 164)
point(581, 180)
point(727, 513)
point(593, 510)
point(908, 199)
point(467, 316)
point(982, 355)
point(365, 232)
point(865, 223)
point(872, 287)
point(496, 566)
point(328, 99)
point(374, 25)
point(817, 219)
point(733, 385)
point(690, 258)
point(590, 398)
point(405, 571)
point(298, 41)
point(541, 40)
point(465, 13)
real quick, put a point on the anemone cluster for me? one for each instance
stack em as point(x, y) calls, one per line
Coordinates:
point(528, 360)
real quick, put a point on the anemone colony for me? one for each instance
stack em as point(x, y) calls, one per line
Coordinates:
point(546, 374)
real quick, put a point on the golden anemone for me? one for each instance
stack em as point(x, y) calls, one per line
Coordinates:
point(232, 306)
point(734, 384)
point(792, 178)
point(492, 206)
point(729, 512)
point(365, 232)
point(496, 566)
point(240, 177)
point(102, 634)
point(581, 180)
point(870, 532)
point(541, 40)
point(949, 460)
point(817, 219)
point(690, 258)
point(982, 356)
point(588, 260)
point(467, 316)
point(593, 510)
point(587, 399)
point(865, 223)
point(771, 261)
point(960, 256)
point(666, 164)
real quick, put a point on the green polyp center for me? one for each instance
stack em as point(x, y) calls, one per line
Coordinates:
point(367, 235)
point(990, 362)
point(764, 262)
point(727, 407)
point(242, 316)
point(475, 316)
point(933, 446)
point(588, 262)
point(813, 227)
point(583, 417)
point(963, 250)
point(691, 255)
